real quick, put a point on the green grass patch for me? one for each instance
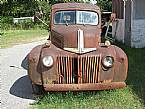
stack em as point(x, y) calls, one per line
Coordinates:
point(112, 99)
point(130, 97)
point(12, 37)
point(136, 71)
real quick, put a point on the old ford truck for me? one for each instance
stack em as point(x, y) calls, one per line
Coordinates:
point(74, 59)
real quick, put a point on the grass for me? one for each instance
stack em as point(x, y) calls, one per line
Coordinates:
point(131, 97)
point(136, 72)
point(113, 99)
point(12, 37)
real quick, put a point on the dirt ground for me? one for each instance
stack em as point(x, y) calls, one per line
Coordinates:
point(15, 87)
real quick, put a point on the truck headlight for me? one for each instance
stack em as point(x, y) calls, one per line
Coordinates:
point(107, 43)
point(47, 61)
point(108, 61)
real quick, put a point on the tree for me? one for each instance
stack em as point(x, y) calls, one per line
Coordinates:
point(105, 5)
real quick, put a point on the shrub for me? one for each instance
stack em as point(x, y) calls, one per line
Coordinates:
point(24, 24)
point(6, 19)
point(6, 22)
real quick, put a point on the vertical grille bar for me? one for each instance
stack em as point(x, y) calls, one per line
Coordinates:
point(62, 71)
point(66, 70)
point(94, 69)
point(80, 70)
point(99, 68)
point(85, 71)
point(87, 67)
point(71, 73)
point(69, 70)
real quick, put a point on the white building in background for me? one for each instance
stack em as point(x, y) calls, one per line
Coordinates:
point(129, 26)
point(93, 2)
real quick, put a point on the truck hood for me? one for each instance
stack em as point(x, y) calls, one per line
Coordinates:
point(67, 36)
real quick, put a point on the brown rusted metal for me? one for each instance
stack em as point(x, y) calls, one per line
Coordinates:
point(61, 37)
point(74, 70)
point(72, 6)
point(83, 87)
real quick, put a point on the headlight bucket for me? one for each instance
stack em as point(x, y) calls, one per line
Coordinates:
point(107, 43)
point(108, 61)
point(47, 61)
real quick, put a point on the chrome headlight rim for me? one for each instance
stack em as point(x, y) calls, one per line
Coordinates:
point(48, 61)
point(108, 61)
point(107, 43)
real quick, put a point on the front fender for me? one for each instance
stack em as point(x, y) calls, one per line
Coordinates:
point(121, 65)
point(33, 65)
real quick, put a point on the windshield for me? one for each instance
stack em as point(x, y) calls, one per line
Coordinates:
point(76, 17)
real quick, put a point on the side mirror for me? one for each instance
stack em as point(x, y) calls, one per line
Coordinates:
point(49, 33)
point(48, 36)
point(38, 15)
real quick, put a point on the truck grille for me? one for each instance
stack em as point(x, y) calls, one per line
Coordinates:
point(84, 69)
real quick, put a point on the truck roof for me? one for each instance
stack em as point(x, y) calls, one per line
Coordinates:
point(84, 6)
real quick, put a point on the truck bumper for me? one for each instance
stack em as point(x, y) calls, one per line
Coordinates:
point(83, 87)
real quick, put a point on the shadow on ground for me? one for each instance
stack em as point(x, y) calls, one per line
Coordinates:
point(22, 88)
point(24, 63)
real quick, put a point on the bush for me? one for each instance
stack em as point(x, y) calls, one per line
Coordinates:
point(24, 24)
point(6, 22)
point(20, 9)
point(6, 19)
point(45, 7)
point(6, 26)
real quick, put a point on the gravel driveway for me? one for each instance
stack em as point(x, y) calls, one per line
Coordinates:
point(15, 88)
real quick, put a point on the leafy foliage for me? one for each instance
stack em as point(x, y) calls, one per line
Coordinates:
point(45, 8)
point(18, 8)
point(105, 5)
point(28, 8)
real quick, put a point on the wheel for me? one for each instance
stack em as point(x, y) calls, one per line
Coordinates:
point(37, 89)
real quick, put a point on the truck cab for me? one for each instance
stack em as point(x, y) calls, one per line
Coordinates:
point(74, 59)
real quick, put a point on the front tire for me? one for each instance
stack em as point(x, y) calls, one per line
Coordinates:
point(37, 89)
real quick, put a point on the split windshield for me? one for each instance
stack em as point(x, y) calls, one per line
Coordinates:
point(76, 17)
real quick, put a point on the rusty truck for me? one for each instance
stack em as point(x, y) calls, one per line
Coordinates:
point(74, 58)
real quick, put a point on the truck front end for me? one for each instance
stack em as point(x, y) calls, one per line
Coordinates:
point(75, 59)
